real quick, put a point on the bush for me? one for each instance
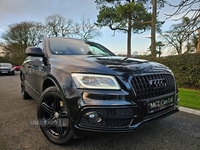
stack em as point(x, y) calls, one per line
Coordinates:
point(186, 69)
point(8, 60)
point(4, 60)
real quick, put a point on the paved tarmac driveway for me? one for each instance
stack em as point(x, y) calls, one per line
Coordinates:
point(19, 129)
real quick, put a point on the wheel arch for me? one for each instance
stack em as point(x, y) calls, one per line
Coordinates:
point(69, 92)
point(48, 83)
point(62, 84)
point(51, 81)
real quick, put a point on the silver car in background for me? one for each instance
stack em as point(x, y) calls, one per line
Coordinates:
point(7, 68)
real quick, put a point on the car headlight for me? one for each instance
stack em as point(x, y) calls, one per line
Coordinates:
point(93, 81)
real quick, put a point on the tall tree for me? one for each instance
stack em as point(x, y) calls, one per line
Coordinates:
point(59, 26)
point(85, 29)
point(126, 16)
point(18, 36)
point(159, 45)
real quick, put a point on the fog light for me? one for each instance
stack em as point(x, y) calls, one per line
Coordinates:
point(94, 117)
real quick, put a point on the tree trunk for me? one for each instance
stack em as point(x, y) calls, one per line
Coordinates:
point(153, 29)
point(198, 45)
point(129, 37)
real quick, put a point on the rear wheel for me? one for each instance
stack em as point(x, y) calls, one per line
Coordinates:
point(53, 116)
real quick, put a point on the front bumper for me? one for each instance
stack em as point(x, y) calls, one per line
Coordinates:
point(116, 123)
point(118, 118)
point(137, 104)
point(11, 72)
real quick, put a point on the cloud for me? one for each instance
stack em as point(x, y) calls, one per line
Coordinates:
point(15, 11)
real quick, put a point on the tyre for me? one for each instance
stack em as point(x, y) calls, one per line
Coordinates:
point(24, 94)
point(53, 117)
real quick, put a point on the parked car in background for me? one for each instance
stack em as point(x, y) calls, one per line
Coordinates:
point(83, 88)
point(7, 68)
point(17, 68)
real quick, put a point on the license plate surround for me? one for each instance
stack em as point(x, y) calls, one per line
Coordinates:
point(159, 104)
point(4, 71)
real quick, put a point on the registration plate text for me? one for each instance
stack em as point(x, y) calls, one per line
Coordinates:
point(160, 104)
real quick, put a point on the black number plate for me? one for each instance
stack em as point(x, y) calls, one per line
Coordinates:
point(160, 104)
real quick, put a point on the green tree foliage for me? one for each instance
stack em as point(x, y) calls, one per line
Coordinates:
point(159, 46)
point(18, 37)
point(129, 16)
point(185, 68)
point(5, 59)
point(117, 18)
point(126, 16)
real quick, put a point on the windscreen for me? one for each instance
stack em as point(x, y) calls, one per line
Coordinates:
point(62, 46)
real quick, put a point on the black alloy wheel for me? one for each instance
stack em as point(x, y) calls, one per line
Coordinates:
point(53, 117)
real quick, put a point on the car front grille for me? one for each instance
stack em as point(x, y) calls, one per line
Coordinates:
point(111, 118)
point(150, 86)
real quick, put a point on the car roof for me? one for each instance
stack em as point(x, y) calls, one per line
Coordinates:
point(66, 38)
point(5, 63)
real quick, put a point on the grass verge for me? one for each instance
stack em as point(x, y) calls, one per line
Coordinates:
point(189, 98)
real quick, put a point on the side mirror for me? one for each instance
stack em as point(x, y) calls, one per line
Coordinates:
point(34, 51)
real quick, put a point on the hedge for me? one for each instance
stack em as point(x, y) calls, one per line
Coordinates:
point(186, 69)
point(7, 60)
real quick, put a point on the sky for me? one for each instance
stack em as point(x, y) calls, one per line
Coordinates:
point(15, 11)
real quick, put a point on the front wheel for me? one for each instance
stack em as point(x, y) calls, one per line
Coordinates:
point(54, 117)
